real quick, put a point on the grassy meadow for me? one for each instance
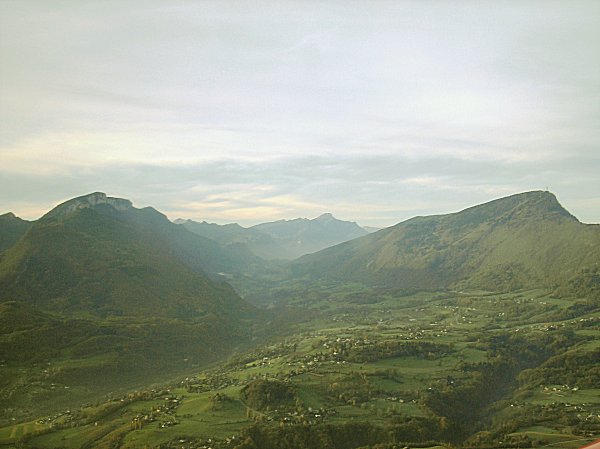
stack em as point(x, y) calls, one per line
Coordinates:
point(523, 364)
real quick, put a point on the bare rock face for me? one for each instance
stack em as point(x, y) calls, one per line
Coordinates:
point(101, 198)
point(88, 201)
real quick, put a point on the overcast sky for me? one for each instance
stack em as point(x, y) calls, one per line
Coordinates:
point(252, 111)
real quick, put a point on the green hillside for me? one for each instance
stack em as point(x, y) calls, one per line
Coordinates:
point(113, 295)
point(368, 369)
point(110, 328)
point(106, 261)
point(11, 229)
point(522, 241)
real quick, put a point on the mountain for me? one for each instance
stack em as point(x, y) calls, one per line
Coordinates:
point(303, 236)
point(521, 241)
point(108, 291)
point(253, 240)
point(11, 229)
point(100, 254)
point(283, 239)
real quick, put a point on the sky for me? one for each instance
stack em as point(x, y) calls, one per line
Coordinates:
point(253, 111)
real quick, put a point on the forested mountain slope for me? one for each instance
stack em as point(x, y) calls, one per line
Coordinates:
point(521, 241)
point(114, 296)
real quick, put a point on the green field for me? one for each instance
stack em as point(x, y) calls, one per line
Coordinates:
point(399, 363)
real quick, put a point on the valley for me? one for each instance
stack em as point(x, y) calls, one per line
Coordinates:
point(427, 369)
point(478, 329)
point(299, 224)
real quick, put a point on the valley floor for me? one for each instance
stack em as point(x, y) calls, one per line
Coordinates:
point(363, 367)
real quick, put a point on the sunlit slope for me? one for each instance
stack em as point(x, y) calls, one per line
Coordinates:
point(524, 240)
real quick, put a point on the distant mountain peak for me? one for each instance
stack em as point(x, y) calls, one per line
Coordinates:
point(325, 217)
point(9, 215)
point(88, 201)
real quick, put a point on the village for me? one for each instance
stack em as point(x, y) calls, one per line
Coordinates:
point(382, 362)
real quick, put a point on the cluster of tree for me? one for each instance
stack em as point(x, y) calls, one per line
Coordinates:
point(461, 405)
point(585, 284)
point(527, 350)
point(576, 420)
point(414, 431)
point(391, 348)
point(575, 368)
point(353, 388)
point(488, 439)
point(265, 394)
point(575, 310)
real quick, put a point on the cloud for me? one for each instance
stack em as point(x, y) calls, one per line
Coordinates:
point(379, 190)
point(242, 111)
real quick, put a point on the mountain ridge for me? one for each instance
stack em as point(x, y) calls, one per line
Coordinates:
point(301, 236)
point(523, 240)
point(280, 239)
point(87, 201)
point(94, 233)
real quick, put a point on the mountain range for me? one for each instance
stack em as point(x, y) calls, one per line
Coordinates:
point(114, 296)
point(282, 239)
point(521, 241)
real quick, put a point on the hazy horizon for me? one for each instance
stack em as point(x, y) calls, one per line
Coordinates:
point(236, 112)
point(252, 223)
